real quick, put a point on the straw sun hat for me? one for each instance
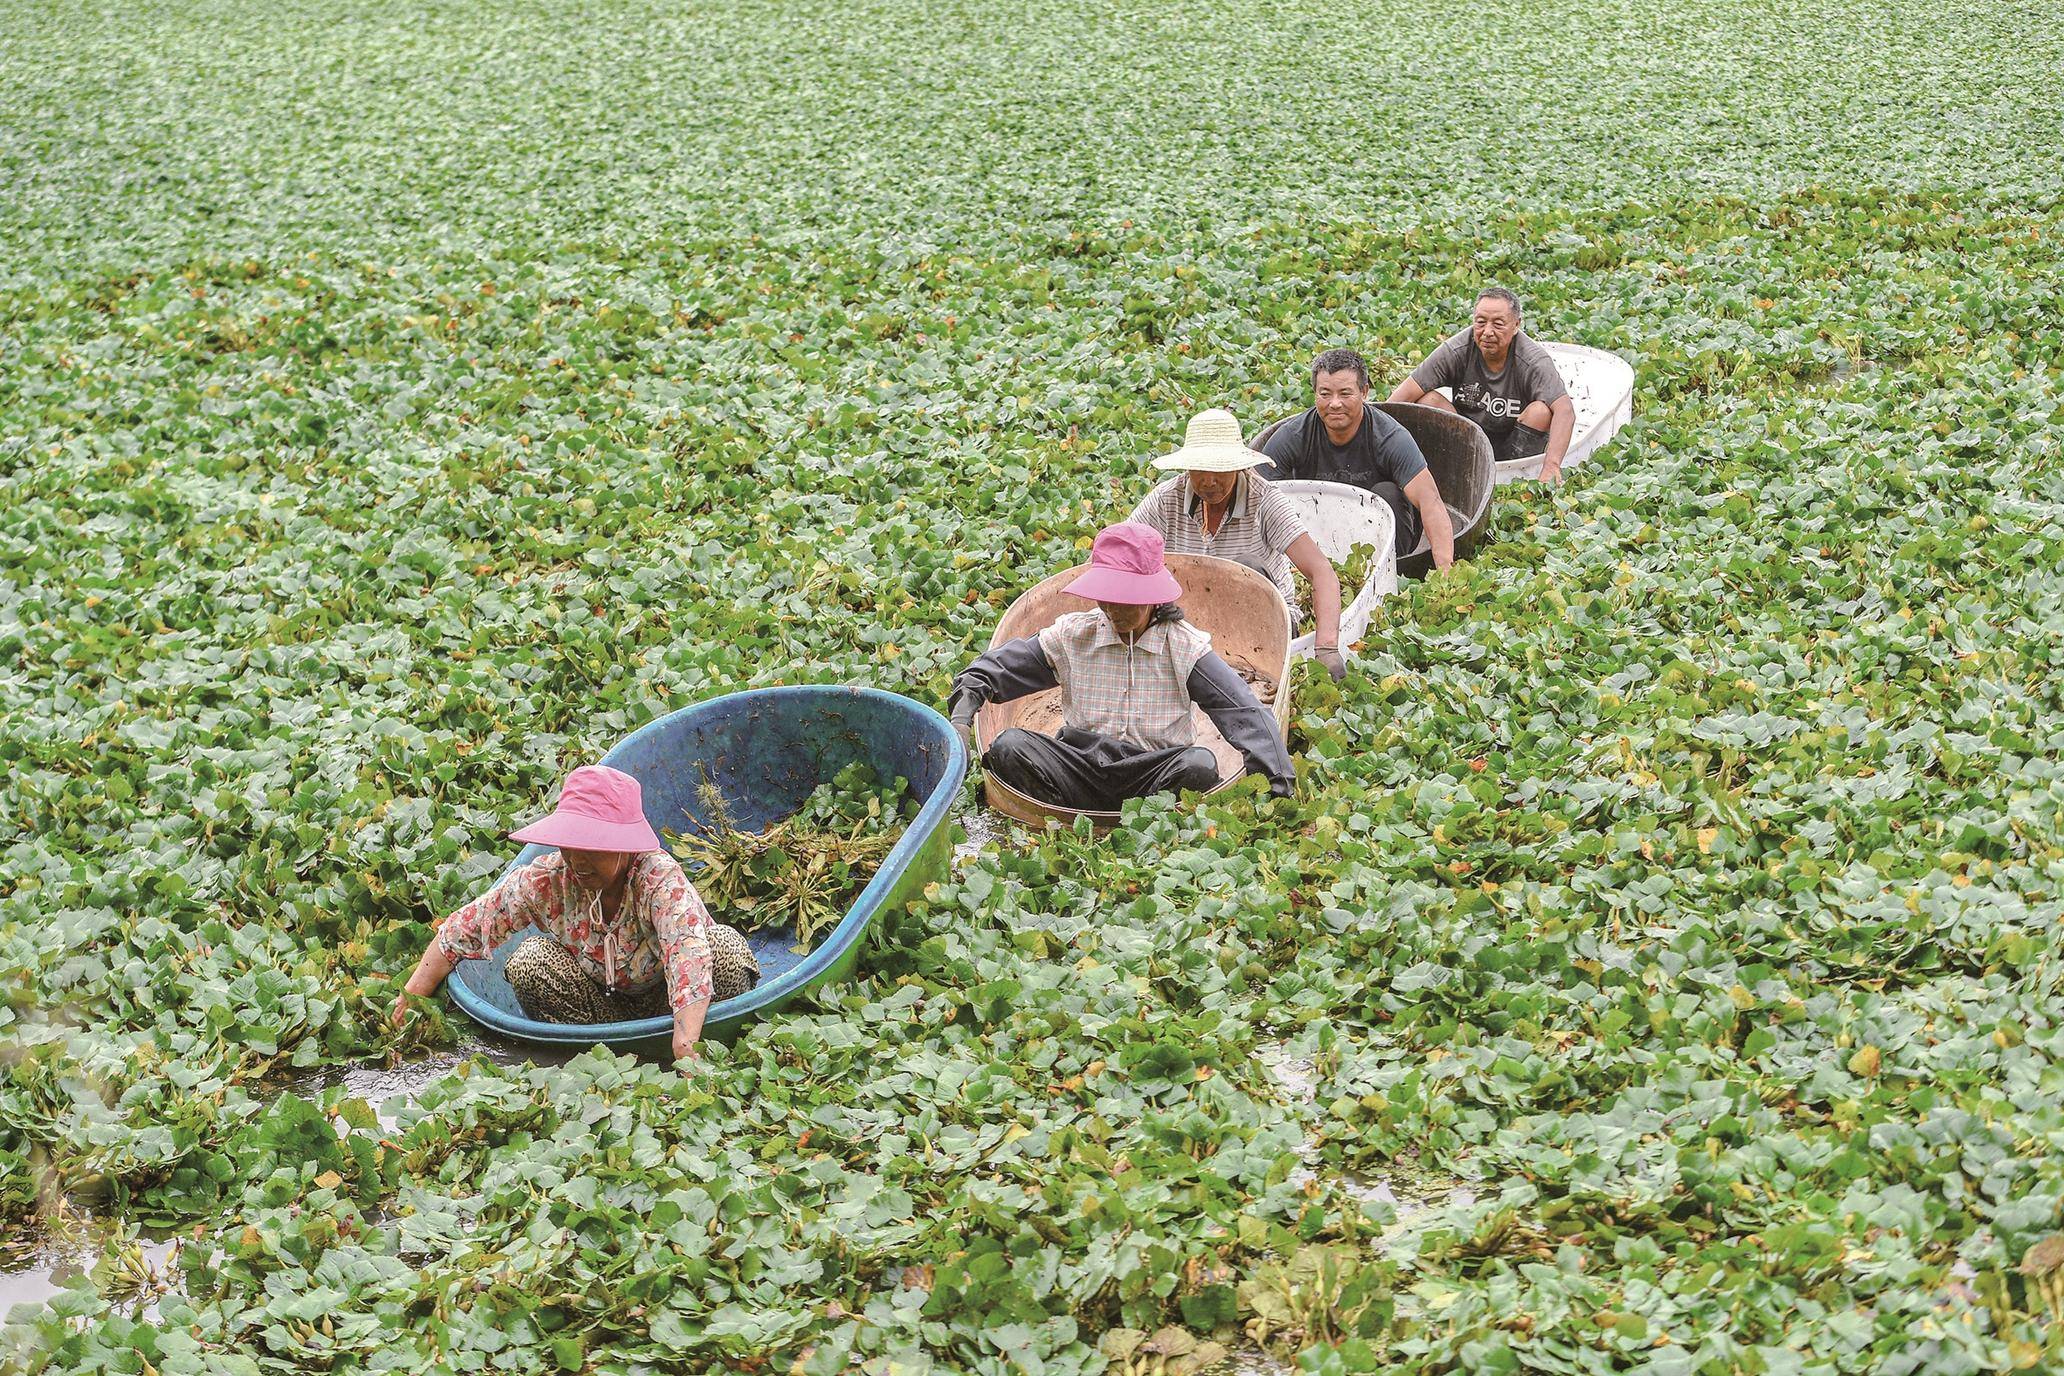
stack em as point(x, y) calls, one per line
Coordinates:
point(1212, 444)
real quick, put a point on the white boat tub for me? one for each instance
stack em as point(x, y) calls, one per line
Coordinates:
point(1601, 388)
point(1343, 516)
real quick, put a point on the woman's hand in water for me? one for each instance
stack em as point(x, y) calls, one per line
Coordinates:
point(688, 1030)
point(429, 973)
point(401, 1001)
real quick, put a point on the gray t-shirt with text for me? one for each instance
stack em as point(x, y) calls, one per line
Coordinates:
point(1493, 400)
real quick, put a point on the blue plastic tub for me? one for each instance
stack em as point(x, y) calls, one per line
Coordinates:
point(765, 750)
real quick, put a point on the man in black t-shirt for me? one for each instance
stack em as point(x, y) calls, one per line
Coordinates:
point(1345, 439)
point(1502, 380)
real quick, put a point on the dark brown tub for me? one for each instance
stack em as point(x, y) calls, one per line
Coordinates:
point(1458, 456)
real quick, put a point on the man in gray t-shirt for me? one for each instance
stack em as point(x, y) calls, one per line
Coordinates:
point(1503, 381)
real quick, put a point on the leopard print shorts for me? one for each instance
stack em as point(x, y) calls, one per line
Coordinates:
point(551, 986)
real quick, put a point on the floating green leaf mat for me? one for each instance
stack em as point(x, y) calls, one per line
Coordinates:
point(1353, 571)
point(399, 403)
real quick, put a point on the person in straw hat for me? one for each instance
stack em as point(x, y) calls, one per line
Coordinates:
point(624, 935)
point(1129, 674)
point(1216, 504)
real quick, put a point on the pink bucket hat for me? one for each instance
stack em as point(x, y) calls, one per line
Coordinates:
point(599, 809)
point(1125, 566)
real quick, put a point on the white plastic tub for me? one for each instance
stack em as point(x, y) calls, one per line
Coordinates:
point(1343, 516)
point(1601, 388)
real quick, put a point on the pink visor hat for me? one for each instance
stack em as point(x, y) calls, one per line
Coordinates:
point(1125, 566)
point(599, 809)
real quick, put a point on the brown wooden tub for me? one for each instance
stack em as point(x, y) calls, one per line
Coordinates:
point(1242, 612)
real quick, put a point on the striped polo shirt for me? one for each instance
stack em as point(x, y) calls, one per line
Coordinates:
point(1258, 531)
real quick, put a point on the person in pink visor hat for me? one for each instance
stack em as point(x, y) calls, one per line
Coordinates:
point(1129, 674)
point(622, 934)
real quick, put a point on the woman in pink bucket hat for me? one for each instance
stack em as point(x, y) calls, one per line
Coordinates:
point(624, 934)
point(1129, 674)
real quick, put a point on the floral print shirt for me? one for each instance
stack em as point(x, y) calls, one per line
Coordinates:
point(662, 929)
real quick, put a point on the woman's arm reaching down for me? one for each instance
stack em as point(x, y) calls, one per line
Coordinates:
point(473, 932)
point(681, 924)
point(1325, 595)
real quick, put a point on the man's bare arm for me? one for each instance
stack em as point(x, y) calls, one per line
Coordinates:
point(1562, 421)
point(1433, 514)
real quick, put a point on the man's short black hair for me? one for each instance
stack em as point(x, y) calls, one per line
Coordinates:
point(1340, 361)
point(1501, 294)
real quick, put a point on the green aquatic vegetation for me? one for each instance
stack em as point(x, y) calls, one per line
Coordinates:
point(802, 873)
point(1668, 910)
point(1319, 1293)
point(1353, 572)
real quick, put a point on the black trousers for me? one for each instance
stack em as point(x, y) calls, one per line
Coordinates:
point(1081, 769)
point(1409, 527)
point(1520, 442)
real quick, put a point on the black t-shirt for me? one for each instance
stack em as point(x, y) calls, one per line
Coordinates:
point(1492, 400)
point(1382, 451)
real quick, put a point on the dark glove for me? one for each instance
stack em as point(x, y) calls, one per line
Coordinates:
point(1329, 656)
point(965, 705)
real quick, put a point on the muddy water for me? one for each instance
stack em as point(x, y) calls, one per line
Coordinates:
point(987, 832)
point(384, 1088)
point(984, 830)
point(35, 1267)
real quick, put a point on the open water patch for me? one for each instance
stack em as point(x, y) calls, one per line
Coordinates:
point(1403, 1192)
point(1294, 1074)
point(382, 1086)
point(987, 832)
point(138, 1265)
point(981, 830)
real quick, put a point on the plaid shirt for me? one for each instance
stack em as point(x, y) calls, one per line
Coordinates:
point(662, 929)
point(1134, 691)
point(1258, 530)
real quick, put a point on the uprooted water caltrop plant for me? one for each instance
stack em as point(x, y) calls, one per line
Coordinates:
point(401, 403)
point(799, 874)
